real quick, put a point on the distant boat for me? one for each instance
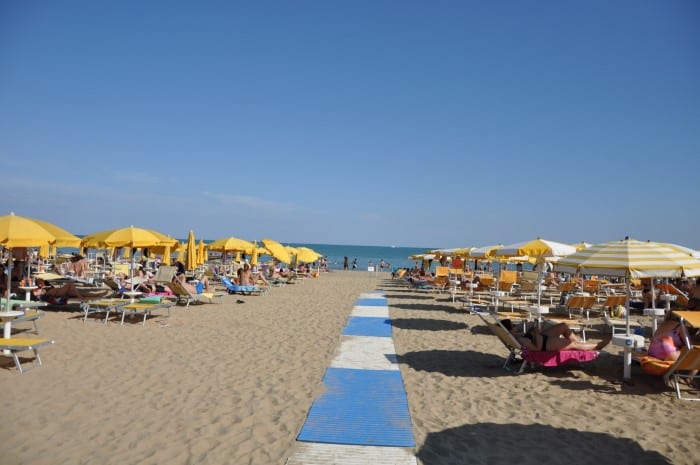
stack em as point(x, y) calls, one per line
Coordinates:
point(393, 246)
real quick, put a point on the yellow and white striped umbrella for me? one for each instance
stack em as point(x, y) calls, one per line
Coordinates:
point(632, 259)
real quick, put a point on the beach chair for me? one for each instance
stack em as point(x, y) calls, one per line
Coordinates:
point(233, 288)
point(105, 306)
point(30, 315)
point(144, 307)
point(580, 303)
point(187, 297)
point(686, 367)
point(16, 345)
point(681, 297)
point(543, 358)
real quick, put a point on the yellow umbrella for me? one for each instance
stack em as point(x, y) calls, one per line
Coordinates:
point(130, 237)
point(254, 257)
point(201, 253)
point(191, 262)
point(277, 250)
point(63, 237)
point(17, 231)
point(307, 255)
point(235, 244)
point(540, 249)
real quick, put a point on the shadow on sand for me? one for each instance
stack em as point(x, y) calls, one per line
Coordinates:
point(495, 444)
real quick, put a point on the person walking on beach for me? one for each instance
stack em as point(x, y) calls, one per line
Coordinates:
point(345, 263)
point(354, 263)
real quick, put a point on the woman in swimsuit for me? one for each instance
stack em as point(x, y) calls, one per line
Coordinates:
point(552, 338)
point(668, 341)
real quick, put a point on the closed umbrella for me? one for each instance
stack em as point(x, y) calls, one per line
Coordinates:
point(631, 259)
point(201, 253)
point(191, 261)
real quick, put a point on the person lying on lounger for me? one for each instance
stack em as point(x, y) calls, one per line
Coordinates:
point(61, 294)
point(552, 338)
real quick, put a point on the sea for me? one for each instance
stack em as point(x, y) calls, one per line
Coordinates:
point(393, 256)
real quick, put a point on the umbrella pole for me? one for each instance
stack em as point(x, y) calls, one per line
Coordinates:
point(9, 282)
point(627, 304)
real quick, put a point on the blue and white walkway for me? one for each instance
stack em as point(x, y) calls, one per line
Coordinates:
point(362, 417)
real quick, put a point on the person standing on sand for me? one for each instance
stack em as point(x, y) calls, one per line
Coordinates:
point(345, 263)
point(354, 263)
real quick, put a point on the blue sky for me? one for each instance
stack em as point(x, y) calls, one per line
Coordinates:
point(440, 124)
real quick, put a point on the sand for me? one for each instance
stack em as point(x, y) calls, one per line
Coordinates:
point(232, 384)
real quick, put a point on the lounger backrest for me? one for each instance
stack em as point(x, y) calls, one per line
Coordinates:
point(165, 273)
point(442, 271)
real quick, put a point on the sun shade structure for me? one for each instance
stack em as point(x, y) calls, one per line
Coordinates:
point(277, 250)
point(232, 244)
point(191, 261)
point(630, 258)
point(484, 252)
point(18, 231)
point(540, 250)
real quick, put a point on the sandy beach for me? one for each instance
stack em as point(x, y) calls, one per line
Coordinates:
point(232, 384)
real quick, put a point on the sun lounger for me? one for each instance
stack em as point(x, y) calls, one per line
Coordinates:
point(186, 296)
point(686, 367)
point(105, 306)
point(143, 308)
point(543, 358)
point(16, 345)
point(234, 288)
point(31, 315)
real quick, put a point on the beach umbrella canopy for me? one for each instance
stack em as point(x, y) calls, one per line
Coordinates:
point(254, 257)
point(232, 244)
point(307, 255)
point(191, 261)
point(63, 237)
point(484, 252)
point(581, 245)
point(129, 236)
point(18, 231)
point(630, 258)
point(540, 249)
point(277, 250)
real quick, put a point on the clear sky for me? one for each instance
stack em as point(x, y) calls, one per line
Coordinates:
point(409, 123)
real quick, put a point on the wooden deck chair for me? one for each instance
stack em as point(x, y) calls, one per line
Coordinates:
point(506, 280)
point(543, 358)
point(591, 285)
point(569, 286)
point(686, 367)
point(681, 298)
point(580, 303)
point(16, 345)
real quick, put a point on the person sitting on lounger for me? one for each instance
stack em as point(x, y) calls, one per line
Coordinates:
point(552, 339)
point(61, 294)
point(201, 286)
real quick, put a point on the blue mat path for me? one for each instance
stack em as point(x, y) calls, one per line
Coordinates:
point(371, 302)
point(362, 407)
point(368, 326)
